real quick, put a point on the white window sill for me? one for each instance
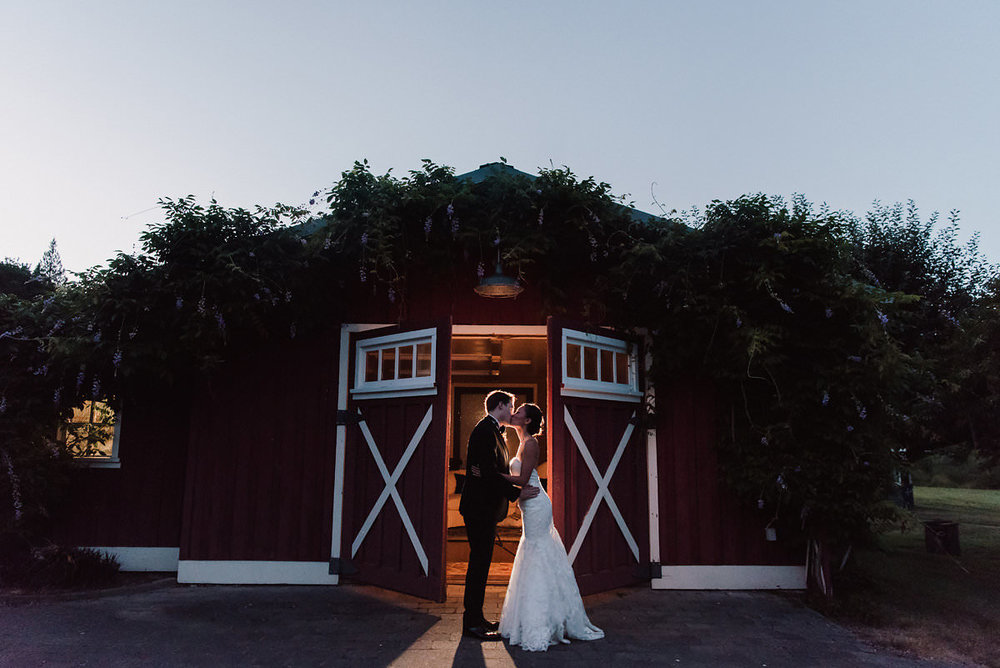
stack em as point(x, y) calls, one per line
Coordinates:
point(88, 463)
point(386, 393)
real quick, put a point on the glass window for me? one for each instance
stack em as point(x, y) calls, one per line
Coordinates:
point(371, 366)
point(607, 366)
point(396, 364)
point(589, 363)
point(90, 432)
point(621, 368)
point(423, 359)
point(388, 364)
point(599, 366)
point(573, 360)
point(406, 362)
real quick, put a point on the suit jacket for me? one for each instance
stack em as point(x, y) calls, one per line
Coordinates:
point(486, 497)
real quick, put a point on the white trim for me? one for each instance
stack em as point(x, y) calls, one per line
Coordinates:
point(364, 395)
point(144, 558)
point(599, 389)
point(395, 386)
point(731, 577)
point(390, 487)
point(102, 463)
point(652, 471)
point(602, 486)
point(597, 394)
point(255, 572)
point(499, 330)
point(338, 467)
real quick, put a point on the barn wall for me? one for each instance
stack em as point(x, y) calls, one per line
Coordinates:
point(432, 301)
point(701, 523)
point(139, 504)
point(261, 457)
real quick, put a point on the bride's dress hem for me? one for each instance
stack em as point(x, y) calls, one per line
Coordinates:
point(543, 606)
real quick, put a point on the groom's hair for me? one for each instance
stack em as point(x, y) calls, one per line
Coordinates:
point(497, 397)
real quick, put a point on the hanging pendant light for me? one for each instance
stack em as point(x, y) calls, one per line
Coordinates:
point(499, 286)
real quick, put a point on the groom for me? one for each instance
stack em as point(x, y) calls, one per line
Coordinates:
point(484, 503)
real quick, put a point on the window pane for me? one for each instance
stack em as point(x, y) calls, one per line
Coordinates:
point(607, 365)
point(406, 362)
point(91, 430)
point(371, 366)
point(388, 364)
point(423, 359)
point(572, 360)
point(589, 363)
point(621, 364)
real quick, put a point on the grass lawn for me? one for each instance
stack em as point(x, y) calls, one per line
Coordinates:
point(935, 606)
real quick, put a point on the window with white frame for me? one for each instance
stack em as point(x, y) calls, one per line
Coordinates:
point(92, 433)
point(396, 364)
point(599, 366)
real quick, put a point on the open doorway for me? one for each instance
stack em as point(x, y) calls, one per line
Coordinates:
point(481, 363)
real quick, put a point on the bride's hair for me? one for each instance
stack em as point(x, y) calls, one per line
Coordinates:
point(535, 419)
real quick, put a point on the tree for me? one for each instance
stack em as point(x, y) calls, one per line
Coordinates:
point(50, 267)
point(950, 403)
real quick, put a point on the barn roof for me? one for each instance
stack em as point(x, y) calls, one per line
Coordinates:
point(495, 169)
point(486, 171)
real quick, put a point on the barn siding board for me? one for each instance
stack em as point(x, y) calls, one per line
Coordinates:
point(709, 517)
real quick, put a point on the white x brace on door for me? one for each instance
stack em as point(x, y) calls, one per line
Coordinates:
point(603, 494)
point(390, 487)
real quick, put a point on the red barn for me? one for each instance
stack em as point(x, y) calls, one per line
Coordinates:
point(308, 462)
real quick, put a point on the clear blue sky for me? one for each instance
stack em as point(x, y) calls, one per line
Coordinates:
point(107, 106)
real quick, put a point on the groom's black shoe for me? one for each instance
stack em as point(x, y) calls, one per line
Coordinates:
point(480, 632)
point(491, 626)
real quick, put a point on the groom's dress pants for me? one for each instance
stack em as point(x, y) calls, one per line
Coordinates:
point(481, 535)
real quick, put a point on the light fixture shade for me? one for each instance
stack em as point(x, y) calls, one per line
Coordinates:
point(499, 286)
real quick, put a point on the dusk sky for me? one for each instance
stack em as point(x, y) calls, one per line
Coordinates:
point(107, 106)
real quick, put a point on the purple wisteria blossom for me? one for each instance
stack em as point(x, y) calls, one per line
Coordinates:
point(829, 313)
point(826, 398)
point(428, 224)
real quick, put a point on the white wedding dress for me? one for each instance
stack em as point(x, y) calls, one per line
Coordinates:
point(543, 605)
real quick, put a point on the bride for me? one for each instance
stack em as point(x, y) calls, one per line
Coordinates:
point(543, 605)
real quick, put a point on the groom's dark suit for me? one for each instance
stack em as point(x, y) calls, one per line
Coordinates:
point(484, 503)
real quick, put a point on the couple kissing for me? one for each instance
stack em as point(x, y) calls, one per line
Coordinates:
point(542, 606)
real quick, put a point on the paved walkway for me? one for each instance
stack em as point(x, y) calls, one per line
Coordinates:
point(175, 625)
